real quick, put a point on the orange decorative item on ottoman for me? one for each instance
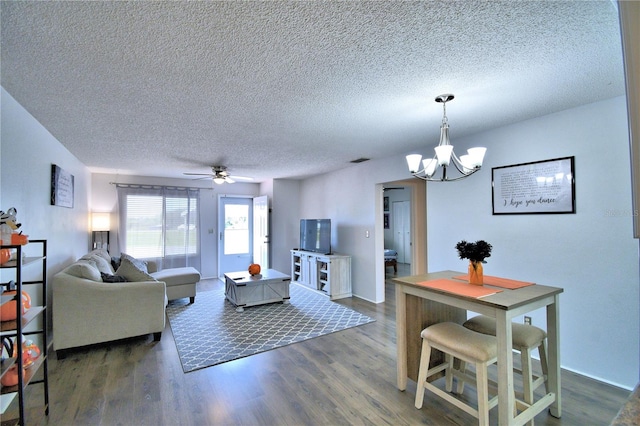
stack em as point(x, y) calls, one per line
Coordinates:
point(254, 269)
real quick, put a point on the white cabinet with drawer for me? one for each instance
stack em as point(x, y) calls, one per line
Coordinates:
point(329, 274)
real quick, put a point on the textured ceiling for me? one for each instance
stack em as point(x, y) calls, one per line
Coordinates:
point(291, 89)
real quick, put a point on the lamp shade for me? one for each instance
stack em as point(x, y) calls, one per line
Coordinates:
point(430, 165)
point(413, 161)
point(443, 153)
point(476, 156)
point(100, 221)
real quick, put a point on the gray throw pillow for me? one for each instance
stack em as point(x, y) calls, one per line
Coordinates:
point(132, 271)
point(140, 264)
point(115, 262)
point(108, 278)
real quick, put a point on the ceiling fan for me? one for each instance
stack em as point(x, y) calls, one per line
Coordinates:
point(220, 175)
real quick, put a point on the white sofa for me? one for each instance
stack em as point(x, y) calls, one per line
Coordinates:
point(87, 310)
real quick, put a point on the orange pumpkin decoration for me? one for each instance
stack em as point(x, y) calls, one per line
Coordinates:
point(19, 239)
point(5, 255)
point(11, 376)
point(254, 269)
point(8, 310)
point(30, 352)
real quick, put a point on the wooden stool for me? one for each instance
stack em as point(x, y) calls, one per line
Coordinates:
point(525, 338)
point(468, 346)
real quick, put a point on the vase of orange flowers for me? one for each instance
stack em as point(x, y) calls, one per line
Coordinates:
point(476, 253)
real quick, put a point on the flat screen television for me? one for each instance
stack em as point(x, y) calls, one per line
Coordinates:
point(315, 235)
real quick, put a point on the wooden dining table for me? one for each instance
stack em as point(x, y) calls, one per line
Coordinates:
point(419, 305)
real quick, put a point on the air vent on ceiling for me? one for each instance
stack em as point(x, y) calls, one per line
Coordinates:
point(360, 160)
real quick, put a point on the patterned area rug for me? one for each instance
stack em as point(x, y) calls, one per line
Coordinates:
point(211, 332)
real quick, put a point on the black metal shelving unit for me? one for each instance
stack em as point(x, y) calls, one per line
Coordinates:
point(13, 398)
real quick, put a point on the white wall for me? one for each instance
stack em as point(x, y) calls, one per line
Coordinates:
point(591, 254)
point(27, 151)
point(105, 198)
point(283, 202)
point(349, 198)
point(285, 222)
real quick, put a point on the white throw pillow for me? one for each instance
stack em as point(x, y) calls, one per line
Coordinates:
point(102, 253)
point(84, 269)
point(132, 271)
point(102, 265)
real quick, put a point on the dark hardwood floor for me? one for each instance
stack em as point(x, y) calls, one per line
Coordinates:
point(347, 377)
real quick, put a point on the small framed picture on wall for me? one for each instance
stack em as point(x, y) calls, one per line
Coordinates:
point(386, 204)
point(62, 186)
point(386, 221)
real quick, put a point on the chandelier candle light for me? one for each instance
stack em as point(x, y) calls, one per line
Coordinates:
point(466, 164)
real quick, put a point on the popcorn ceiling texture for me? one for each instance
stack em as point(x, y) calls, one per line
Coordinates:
point(291, 89)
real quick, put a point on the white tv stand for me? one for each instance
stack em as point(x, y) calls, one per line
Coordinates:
point(329, 274)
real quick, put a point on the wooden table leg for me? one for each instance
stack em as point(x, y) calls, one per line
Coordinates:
point(506, 397)
point(401, 337)
point(553, 342)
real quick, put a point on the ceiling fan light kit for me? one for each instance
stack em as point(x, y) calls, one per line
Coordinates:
point(219, 175)
point(466, 165)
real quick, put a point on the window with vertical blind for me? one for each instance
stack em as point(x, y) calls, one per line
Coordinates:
point(160, 223)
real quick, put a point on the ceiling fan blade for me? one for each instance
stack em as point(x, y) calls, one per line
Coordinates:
point(242, 177)
point(220, 175)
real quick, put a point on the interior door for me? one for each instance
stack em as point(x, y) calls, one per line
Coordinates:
point(402, 230)
point(235, 227)
point(261, 231)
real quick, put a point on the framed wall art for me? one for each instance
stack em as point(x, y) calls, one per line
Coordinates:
point(385, 204)
point(61, 187)
point(538, 187)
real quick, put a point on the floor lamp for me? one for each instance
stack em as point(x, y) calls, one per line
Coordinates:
point(100, 227)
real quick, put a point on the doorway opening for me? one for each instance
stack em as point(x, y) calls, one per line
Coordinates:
point(402, 227)
point(243, 239)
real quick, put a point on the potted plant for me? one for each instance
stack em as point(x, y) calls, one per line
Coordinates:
point(476, 253)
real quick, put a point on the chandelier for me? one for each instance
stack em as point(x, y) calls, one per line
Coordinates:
point(466, 165)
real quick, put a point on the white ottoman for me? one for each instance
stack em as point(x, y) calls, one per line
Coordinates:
point(180, 282)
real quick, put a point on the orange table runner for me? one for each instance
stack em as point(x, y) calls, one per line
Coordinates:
point(456, 287)
point(498, 282)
